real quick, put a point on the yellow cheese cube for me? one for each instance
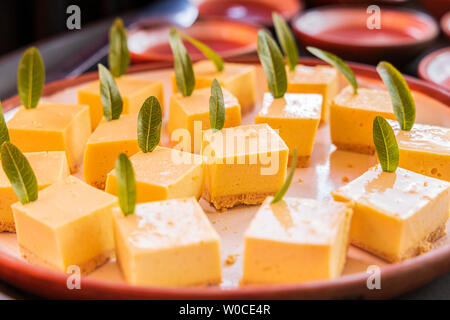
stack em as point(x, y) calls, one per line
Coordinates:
point(70, 224)
point(191, 114)
point(239, 79)
point(396, 215)
point(134, 92)
point(245, 164)
point(424, 149)
point(351, 118)
point(164, 174)
point(110, 139)
point(320, 79)
point(295, 117)
point(52, 127)
point(167, 243)
point(296, 240)
point(48, 167)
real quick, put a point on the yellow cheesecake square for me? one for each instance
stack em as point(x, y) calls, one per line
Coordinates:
point(70, 224)
point(244, 165)
point(351, 118)
point(134, 92)
point(296, 116)
point(322, 80)
point(109, 139)
point(424, 149)
point(164, 174)
point(48, 167)
point(239, 79)
point(52, 127)
point(396, 215)
point(189, 116)
point(296, 240)
point(167, 243)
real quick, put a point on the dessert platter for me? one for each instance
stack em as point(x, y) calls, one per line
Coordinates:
point(275, 177)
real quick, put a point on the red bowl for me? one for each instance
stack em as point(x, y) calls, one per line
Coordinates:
point(445, 24)
point(227, 38)
point(255, 11)
point(343, 30)
point(435, 67)
point(437, 8)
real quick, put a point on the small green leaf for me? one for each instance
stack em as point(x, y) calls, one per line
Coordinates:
point(4, 134)
point(109, 94)
point(207, 51)
point(149, 124)
point(402, 99)
point(30, 78)
point(338, 63)
point(284, 188)
point(182, 64)
point(19, 172)
point(286, 39)
point(216, 107)
point(126, 184)
point(385, 144)
point(118, 57)
point(273, 64)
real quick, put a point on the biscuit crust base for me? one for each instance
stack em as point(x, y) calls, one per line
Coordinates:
point(302, 161)
point(422, 247)
point(7, 227)
point(225, 202)
point(359, 148)
point(85, 267)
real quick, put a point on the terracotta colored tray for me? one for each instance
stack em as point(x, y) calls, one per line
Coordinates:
point(329, 169)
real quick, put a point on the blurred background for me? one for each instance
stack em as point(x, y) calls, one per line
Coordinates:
point(413, 34)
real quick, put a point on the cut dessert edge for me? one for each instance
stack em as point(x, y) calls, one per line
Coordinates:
point(85, 267)
point(424, 246)
point(7, 227)
point(365, 149)
point(229, 201)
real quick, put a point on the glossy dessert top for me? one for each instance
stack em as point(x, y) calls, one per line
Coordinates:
point(65, 201)
point(47, 166)
point(292, 105)
point(399, 194)
point(307, 74)
point(298, 220)
point(206, 68)
point(423, 137)
point(46, 116)
point(124, 128)
point(127, 85)
point(163, 166)
point(165, 224)
point(368, 99)
point(198, 102)
point(242, 141)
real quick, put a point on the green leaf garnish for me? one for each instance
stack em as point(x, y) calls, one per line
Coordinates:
point(216, 107)
point(109, 94)
point(19, 172)
point(284, 188)
point(402, 99)
point(338, 63)
point(207, 51)
point(126, 184)
point(4, 133)
point(182, 64)
point(286, 39)
point(118, 57)
point(30, 78)
point(273, 64)
point(385, 144)
point(149, 124)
